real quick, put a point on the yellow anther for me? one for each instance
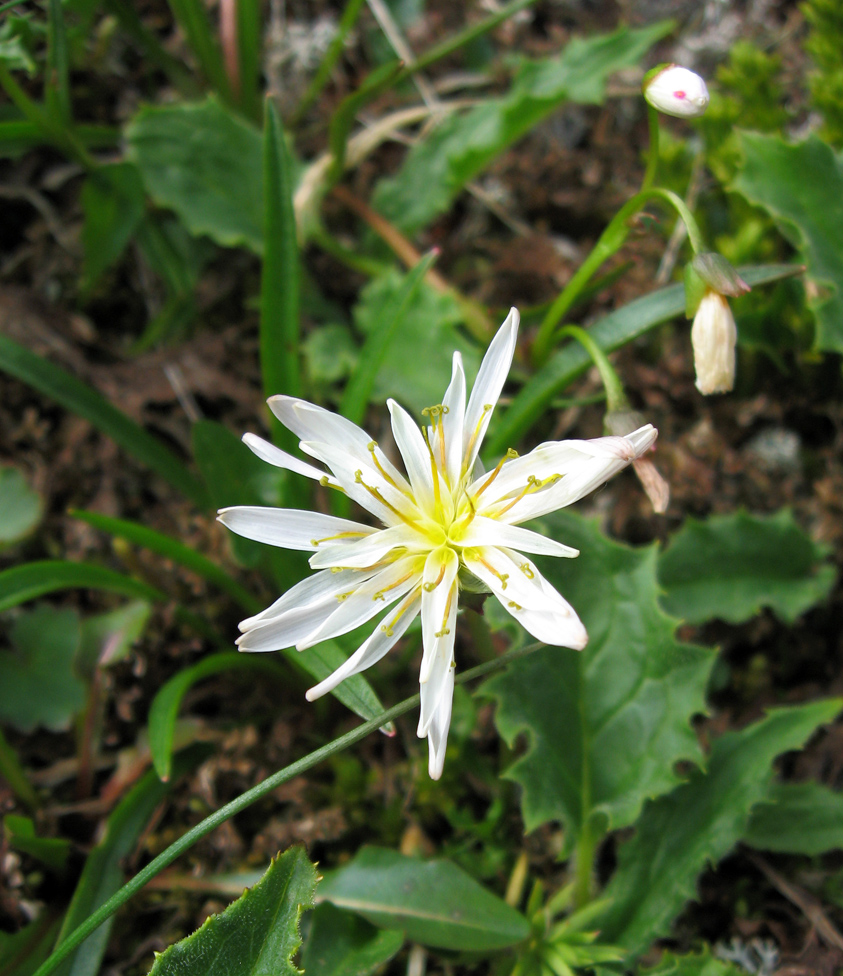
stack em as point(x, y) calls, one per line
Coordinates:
point(510, 454)
point(430, 587)
point(326, 482)
point(527, 570)
point(344, 596)
point(442, 633)
point(373, 445)
point(379, 596)
point(514, 605)
point(375, 493)
point(387, 630)
point(503, 577)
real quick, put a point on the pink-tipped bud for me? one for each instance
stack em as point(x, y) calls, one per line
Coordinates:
point(676, 91)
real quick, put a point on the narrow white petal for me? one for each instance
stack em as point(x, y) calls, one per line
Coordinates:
point(285, 630)
point(383, 589)
point(310, 422)
point(453, 421)
point(368, 551)
point(440, 672)
point(523, 592)
point(437, 734)
point(415, 454)
point(384, 637)
point(281, 459)
point(439, 599)
point(489, 532)
point(290, 528)
point(487, 387)
point(551, 628)
point(314, 589)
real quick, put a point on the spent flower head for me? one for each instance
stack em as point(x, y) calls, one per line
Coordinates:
point(676, 91)
point(447, 525)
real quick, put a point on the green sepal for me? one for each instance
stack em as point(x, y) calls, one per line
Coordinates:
point(695, 288)
point(719, 275)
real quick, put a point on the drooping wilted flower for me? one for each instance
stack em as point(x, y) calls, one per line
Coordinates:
point(676, 91)
point(714, 337)
point(447, 525)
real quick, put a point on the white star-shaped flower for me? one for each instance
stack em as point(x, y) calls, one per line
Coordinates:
point(446, 525)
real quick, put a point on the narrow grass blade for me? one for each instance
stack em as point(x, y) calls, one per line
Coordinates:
point(279, 325)
point(172, 549)
point(76, 396)
point(20, 135)
point(57, 80)
point(380, 80)
point(249, 38)
point(13, 772)
point(31, 580)
point(193, 20)
point(610, 333)
point(356, 396)
point(463, 37)
point(349, 18)
point(149, 45)
point(165, 706)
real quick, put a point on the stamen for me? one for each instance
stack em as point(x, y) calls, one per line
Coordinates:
point(389, 628)
point(430, 587)
point(372, 445)
point(434, 472)
point(503, 577)
point(527, 570)
point(487, 407)
point(514, 605)
point(380, 593)
point(509, 456)
point(339, 535)
point(327, 483)
point(533, 484)
point(436, 414)
point(358, 479)
point(445, 629)
point(344, 596)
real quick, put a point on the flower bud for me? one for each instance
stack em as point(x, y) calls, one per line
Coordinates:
point(676, 91)
point(714, 336)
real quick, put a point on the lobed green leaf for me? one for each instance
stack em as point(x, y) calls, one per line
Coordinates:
point(256, 935)
point(730, 566)
point(797, 818)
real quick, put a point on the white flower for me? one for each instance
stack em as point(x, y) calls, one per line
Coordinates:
point(714, 336)
point(676, 91)
point(447, 524)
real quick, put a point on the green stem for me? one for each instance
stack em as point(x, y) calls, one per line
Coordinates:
point(615, 396)
point(13, 773)
point(609, 242)
point(165, 858)
point(653, 153)
point(584, 863)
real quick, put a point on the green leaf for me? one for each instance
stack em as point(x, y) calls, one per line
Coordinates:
point(380, 341)
point(801, 186)
point(279, 321)
point(57, 75)
point(103, 871)
point(605, 726)
point(435, 902)
point(21, 506)
point(797, 818)
point(416, 367)
point(76, 396)
point(257, 935)
point(730, 566)
point(694, 964)
point(108, 637)
point(205, 163)
point(21, 583)
point(699, 823)
point(165, 706)
point(610, 332)
point(38, 684)
point(51, 851)
point(438, 167)
point(113, 204)
point(342, 944)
